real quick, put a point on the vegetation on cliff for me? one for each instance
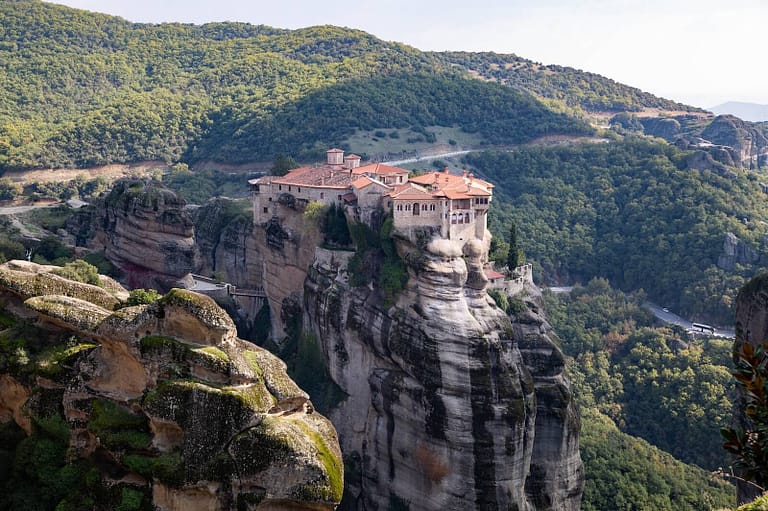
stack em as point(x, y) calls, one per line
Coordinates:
point(96, 414)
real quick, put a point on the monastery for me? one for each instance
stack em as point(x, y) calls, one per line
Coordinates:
point(456, 206)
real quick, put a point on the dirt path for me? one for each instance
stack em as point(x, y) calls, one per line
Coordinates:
point(110, 172)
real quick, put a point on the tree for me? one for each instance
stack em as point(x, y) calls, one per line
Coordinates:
point(282, 164)
point(513, 257)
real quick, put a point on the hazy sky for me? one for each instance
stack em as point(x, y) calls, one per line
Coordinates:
point(700, 52)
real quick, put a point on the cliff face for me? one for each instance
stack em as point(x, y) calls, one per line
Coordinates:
point(745, 143)
point(450, 405)
point(146, 232)
point(224, 238)
point(155, 405)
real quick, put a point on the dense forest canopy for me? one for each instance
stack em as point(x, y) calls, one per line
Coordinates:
point(633, 212)
point(637, 384)
point(80, 89)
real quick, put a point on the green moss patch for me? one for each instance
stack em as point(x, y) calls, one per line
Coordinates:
point(209, 357)
point(117, 427)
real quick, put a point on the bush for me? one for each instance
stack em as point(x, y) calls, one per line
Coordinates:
point(79, 271)
point(142, 297)
point(500, 299)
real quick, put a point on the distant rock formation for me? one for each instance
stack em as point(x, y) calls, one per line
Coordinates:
point(164, 400)
point(736, 252)
point(746, 142)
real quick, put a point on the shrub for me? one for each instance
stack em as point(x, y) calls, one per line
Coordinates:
point(142, 297)
point(79, 271)
point(500, 299)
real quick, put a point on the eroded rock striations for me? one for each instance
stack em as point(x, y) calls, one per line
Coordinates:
point(163, 402)
point(449, 405)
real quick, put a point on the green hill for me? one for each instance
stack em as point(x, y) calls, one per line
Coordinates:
point(80, 89)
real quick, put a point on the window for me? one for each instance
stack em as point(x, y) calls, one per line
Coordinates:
point(339, 197)
point(466, 218)
point(389, 203)
point(399, 179)
point(431, 207)
point(270, 199)
point(322, 195)
point(416, 208)
point(289, 188)
point(299, 189)
point(453, 218)
point(279, 187)
point(266, 210)
point(399, 207)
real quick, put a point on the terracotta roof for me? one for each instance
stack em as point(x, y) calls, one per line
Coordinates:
point(363, 181)
point(349, 197)
point(379, 169)
point(334, 150)
point(326, 176)
point(352, 157)
point(409, 191)
point(493, 274)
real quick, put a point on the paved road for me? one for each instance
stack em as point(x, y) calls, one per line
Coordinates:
point(674, 319)
point(431, 157)
point(665, 316)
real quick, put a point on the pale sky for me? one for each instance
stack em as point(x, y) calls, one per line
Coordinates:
point(700, 52)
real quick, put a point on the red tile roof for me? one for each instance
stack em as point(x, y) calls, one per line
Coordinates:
point(320, 177)
point(493, 274)
point(379, 169)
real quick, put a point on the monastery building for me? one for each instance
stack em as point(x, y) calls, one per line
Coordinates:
point(456, 206)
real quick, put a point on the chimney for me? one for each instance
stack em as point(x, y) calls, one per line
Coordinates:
point(463, 172)
point(445, 170)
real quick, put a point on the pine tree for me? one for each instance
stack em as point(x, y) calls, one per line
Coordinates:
point(513, 258)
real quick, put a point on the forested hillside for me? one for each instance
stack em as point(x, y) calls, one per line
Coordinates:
point(633, 212)
point(80, 89)
point(587, 91)
point(632, 379)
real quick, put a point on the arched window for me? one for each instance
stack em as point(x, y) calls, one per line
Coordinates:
point(416, 208)
point(466, 218)
point(453, 218)
point(431, 207)
point(399, 207)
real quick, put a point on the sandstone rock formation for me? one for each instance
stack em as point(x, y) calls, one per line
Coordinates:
point(449, 405)
point(163, 402)
point(146, 232)
point(746, 143)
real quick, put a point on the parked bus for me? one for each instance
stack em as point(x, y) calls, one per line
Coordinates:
point(703, 328)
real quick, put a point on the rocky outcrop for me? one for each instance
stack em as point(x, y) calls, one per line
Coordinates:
point(745, 142)
point(224, 237)
point(448, 404)
point(164, 404)
point(736, 252)
point(145, 230)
